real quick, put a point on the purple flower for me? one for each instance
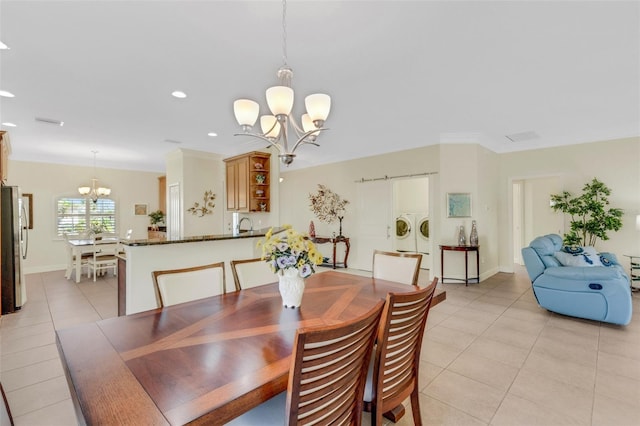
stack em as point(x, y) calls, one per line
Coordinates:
point(305, 271)
point(282, 246)
point(281, 262)
point(290, 260)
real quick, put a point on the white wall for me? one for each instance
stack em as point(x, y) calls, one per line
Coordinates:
point(48, 181)
point(457, 168)
point(616, 163)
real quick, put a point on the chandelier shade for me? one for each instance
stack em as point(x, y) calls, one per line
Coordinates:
point(276, 127)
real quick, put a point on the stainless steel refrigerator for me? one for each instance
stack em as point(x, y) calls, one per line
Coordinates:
point(15, 243)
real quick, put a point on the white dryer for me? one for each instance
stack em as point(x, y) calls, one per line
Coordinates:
point(404, 232)
point(423, 243)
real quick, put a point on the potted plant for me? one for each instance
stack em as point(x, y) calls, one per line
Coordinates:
point(590, 217)
point(157, 217)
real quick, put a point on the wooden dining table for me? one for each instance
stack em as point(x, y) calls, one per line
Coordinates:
point(206, 361)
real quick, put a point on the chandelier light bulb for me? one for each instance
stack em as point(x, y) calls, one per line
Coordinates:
point(84, 190)
point(318, 106)
point(270, 126)
point(246, 112)
point(280, 100)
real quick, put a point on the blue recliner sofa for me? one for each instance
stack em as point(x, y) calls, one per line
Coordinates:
point(600, 293)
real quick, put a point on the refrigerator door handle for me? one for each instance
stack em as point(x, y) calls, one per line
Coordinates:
point(24, 234)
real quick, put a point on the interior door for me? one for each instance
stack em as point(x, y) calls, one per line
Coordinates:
point(374, 228)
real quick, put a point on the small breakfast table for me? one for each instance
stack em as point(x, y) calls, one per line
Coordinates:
point(77, 247)
point(206, 361)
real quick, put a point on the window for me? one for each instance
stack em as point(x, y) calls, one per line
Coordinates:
point(81, 215)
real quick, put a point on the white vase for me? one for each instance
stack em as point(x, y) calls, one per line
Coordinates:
point(291, 286)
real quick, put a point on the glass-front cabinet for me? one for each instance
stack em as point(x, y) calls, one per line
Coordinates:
point(248, 182)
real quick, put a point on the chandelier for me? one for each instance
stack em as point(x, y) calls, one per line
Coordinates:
point(275, 126)
point(94, 192)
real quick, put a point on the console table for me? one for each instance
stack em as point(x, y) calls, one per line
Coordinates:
point(466, 250)
point(335, 240)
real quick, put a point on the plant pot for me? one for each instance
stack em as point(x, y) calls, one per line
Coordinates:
point(291, 286)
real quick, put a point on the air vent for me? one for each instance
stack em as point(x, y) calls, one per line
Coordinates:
point(50, 121)
point(523, 136)
point(173, 141)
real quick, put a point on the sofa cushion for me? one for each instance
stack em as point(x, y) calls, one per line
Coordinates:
point(578, 259)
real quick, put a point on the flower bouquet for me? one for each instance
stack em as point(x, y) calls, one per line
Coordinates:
point(293, 258)
point(290, 250)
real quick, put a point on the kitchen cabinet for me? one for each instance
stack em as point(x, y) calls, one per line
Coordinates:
point(248, 182)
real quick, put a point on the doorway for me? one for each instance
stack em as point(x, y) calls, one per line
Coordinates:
point(532, 215)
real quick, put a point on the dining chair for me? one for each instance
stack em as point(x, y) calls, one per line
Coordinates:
point(397, 266)
point(103, 258)
point(5, 412)
point(184, 285)
point(326, 376)
point(249, 273)
point(393, 373)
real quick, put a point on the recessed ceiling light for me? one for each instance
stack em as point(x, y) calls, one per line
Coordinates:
point(178, 94)
point(9, 125)
point(4, 46)
point(6, 94)
point(212, 134)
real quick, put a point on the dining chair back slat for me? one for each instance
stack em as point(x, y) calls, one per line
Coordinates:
point(186, 284)
point(395, 266)
point(393, 374)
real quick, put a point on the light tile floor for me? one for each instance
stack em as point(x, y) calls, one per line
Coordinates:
point(491, 356)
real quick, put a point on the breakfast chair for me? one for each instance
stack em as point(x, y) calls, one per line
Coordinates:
point(103, 258)
point(249, 273)
point(326, 377)
point(394, 266)
point(184, 285)
point(393, 373)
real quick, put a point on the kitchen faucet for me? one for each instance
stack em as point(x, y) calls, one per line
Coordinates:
point(240, 223)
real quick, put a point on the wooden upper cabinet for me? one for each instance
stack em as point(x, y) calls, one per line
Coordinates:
point(4, 156)
point(162, 194)
point(248, 182)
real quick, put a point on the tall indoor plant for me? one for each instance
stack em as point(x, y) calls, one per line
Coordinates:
point(591, 219)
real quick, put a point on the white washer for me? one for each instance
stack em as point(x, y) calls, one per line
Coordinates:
point(404, 232)
point(423, 244)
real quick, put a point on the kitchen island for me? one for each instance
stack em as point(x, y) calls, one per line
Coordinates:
point(136, 291)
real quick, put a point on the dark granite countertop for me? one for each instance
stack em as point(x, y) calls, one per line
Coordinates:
point(243, 234)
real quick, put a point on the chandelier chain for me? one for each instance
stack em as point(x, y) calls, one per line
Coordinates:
point(284, 31)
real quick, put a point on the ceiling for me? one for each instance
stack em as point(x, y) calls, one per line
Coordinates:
point(401, 75)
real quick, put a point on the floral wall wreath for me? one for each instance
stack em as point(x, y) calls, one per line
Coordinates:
point(327, 205)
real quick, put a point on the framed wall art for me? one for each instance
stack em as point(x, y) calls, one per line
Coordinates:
point(140, 209)
point(458, 204)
